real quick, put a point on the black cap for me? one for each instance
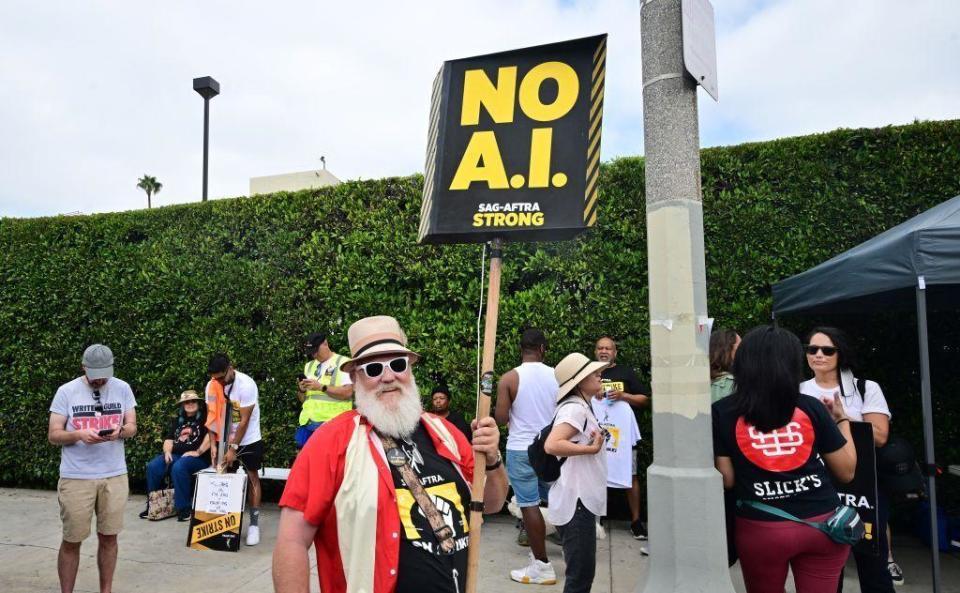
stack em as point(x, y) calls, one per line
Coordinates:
point(314, 340)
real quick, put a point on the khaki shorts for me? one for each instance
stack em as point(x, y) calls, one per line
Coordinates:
point(80, 498)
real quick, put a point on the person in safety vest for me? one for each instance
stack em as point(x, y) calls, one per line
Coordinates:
point(324, 389)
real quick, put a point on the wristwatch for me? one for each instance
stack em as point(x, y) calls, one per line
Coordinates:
point(234, 446)
point(496, 463)
point(323, 389)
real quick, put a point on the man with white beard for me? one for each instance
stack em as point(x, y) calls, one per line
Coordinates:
point(383, 491)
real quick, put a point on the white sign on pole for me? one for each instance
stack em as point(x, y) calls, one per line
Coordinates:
point(700, 44)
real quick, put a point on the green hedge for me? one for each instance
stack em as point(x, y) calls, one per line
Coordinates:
point(251, 276)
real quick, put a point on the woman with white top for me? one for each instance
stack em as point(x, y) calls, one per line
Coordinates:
point(831, 357)
point(579, 496)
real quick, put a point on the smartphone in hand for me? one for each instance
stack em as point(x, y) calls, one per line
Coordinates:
point(105, 432)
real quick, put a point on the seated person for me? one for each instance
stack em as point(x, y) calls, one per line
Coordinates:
point(184, 454)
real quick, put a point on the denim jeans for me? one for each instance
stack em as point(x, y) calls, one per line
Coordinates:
point(579, 550)
point(527, 487)
point(181, 470)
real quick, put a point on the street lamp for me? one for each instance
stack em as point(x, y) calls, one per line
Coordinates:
point(208, 89)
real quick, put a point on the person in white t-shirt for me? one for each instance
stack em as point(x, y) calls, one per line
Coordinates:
point(89, 419)
point(579, 495)
point(831, 357)
point(244, 444)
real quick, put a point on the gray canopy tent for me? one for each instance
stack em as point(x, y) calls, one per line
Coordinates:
point(916, 263)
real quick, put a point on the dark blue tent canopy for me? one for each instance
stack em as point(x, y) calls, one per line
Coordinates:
point(884, 272)
point(916, 263)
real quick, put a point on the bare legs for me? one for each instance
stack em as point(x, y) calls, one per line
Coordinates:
point(68, 561)
point(536, 531)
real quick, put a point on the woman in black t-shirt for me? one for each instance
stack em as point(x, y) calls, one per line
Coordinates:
point(184, 453)
point(775, 446)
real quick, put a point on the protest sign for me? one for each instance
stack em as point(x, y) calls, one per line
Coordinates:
point(514, 145)
point(216, 520)
point(861, 492)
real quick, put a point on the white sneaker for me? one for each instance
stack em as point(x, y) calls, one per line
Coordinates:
point(535, 573)
point(644, 550)
point(253, 535)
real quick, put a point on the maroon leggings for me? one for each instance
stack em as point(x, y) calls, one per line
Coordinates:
point(767, 548)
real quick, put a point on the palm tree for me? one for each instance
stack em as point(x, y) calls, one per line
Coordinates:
point(150, 185)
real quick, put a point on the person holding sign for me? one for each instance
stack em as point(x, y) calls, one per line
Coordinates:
point(231, 392)
point(89, 418)
point(832, 359)
point(383, 491)
point(323, 388)
point(778, 449)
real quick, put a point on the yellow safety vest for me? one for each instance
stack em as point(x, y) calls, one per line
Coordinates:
point(317, 405)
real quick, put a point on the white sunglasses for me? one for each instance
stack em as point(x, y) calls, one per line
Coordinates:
point(375, 369)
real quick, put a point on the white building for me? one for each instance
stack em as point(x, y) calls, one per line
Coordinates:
point(292, 182)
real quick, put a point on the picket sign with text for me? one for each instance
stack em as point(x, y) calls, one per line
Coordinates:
point(861, 492)
point(217, 516)
point(514, 145)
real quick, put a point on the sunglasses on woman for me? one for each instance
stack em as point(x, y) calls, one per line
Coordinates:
point(811, 349)
point(375, 369)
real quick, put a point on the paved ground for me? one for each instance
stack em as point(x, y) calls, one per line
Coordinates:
point(153, 557)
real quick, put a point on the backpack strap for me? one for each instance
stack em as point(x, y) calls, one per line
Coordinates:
point(770, 510)
point(783, 514)
point(566, 400)
point(862, 387)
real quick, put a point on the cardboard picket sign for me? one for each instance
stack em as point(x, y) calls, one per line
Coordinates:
point(514, 145)
point(217, 517)
point(861, 492)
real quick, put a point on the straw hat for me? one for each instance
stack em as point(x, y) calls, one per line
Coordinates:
point(373, 336)
point(189, 396)
point(575, 367)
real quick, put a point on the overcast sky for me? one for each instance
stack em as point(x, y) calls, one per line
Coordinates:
point(95, 94)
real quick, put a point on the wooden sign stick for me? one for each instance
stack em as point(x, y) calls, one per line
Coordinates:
point(483, 410)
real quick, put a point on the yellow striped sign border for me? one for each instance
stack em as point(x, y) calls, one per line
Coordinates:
point(593, 140)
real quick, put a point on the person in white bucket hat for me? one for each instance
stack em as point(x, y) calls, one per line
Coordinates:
point(383, 491)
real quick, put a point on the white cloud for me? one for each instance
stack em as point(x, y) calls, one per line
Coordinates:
point(93, 95)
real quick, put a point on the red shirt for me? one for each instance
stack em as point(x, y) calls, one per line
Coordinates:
point(342, 485)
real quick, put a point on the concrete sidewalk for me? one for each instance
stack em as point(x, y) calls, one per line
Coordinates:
point(153, 556)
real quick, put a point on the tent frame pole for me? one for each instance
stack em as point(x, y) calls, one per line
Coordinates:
point(930, 466)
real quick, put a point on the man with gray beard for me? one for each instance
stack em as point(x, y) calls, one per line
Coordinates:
point(383, 491)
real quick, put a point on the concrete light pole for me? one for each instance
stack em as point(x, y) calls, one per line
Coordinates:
point(685, 492)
